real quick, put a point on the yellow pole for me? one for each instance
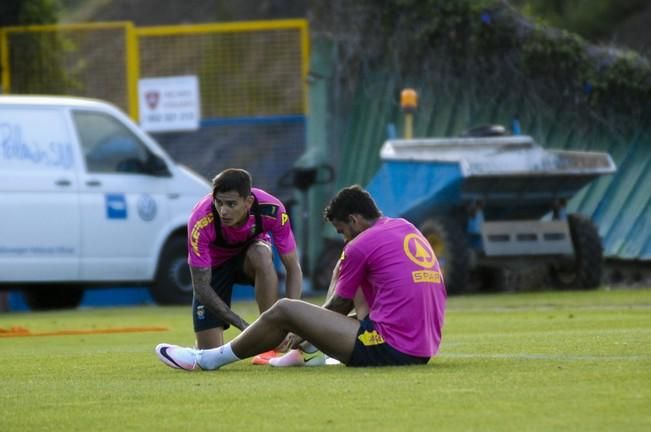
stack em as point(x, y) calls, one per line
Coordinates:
point(133, 71)
point(4, 61)
point(305, 62)
point(409, 125)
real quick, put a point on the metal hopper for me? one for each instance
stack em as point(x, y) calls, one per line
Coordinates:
point(487, 203)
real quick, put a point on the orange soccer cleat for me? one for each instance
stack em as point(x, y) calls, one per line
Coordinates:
point(263, 359)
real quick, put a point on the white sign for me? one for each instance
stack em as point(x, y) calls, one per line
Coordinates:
point(169, 104)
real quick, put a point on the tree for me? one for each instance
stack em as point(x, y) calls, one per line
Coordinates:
point(26, 50)
point(592, 19)
point(23, 12)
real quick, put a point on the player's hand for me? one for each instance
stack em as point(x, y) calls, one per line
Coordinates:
point(292, 341)
point(285, 345)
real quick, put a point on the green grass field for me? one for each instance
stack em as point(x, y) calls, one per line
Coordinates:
point(556, 361)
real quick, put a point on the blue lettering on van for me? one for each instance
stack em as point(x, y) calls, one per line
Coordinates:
point(116, 206)
point(37, 250)
point(13, 147)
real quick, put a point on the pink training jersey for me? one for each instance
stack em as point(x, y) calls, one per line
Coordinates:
point(401, 280)
point(202, 251)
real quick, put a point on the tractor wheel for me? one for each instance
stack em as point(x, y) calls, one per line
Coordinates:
point(173, 284)
point(585, 272)
point(492, 279)
point(450, 244)
point(322, 272)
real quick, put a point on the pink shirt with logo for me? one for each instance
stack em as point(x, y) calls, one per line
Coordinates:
point(202, 251)
point(401, 280)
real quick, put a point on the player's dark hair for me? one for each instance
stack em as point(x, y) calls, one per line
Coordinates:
point(351, 200)
point(232, 179)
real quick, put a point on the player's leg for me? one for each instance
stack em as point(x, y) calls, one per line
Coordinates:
point(210, 338)
point(331, 332)
point(208, 329)
point(305, 355)
point(259, 267)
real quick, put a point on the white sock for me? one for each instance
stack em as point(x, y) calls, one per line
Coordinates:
point(217, 357)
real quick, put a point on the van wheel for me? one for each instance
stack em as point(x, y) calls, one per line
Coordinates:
point(48, 297)
point(173, 284)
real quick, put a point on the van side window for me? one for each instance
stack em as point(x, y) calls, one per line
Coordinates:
point(109, 146)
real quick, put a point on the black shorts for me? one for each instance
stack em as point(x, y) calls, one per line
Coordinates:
point(371, 350)
point(222, 281)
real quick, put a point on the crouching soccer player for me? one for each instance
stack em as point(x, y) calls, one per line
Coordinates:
point(394, 267)
point(229, 243)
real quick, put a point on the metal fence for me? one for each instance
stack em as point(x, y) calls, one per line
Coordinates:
point(246, 69)
point(252, 79)
point(89, 60)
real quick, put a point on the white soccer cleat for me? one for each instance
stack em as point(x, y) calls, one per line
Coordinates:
point(297, 357)
point(178, 357)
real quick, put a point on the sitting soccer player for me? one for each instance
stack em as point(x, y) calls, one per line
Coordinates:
point(399, 276)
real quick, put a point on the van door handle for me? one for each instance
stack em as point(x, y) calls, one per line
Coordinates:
point(63, 182)
point(93, 183)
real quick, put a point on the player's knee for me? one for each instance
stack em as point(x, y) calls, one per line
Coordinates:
point(259, 256)
point(280, 311)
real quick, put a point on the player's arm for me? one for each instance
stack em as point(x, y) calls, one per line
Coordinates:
point(333, 280)
point(283, 238)
point(294, 276)
point(339, 304)
point(349, 274)
point(206, 295)
point(359, 302)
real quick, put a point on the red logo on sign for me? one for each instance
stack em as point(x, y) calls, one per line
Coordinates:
point(152, 98)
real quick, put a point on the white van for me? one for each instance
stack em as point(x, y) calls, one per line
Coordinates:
point(89, 199)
